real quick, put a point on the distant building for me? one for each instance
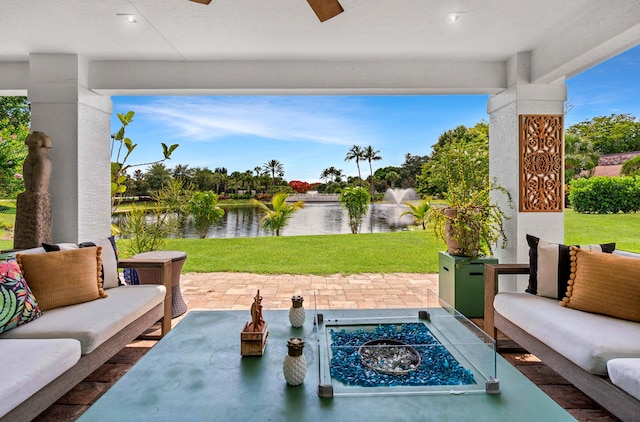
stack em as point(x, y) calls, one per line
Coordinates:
point(610, 165)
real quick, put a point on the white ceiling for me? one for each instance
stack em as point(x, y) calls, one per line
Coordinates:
point(564, 37)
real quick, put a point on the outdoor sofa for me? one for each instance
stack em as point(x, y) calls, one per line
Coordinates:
point(46, 357)
point(596, 352)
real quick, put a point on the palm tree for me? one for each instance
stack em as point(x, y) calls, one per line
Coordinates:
point(420, 213)
point(391, 178)
point(370, 155)
point(274, 167)
point(275, 219)
point(355, 153)
point(236, 176)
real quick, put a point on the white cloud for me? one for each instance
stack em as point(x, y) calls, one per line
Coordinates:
point(326, 120)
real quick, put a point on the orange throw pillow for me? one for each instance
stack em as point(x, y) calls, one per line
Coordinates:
point(63, 278)
point(604, 283)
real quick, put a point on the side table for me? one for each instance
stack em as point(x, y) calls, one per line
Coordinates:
point(151, 275)
point(461, 283)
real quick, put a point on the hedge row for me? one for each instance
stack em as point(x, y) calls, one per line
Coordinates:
point(605, 195)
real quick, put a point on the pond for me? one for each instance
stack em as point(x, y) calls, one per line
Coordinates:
point(313, 219)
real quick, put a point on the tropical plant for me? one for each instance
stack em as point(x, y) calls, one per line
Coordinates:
point(157, 176)
point(205, 210)
point(471, 223)
point(420, 212)
point(579, 156)
point(355, 153)
point(276, 218)
point(370, 154)
point(120, 157)
point(146, 228)
point(355, 199)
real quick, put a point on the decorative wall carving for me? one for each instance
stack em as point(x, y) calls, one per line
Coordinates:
point(541, 161)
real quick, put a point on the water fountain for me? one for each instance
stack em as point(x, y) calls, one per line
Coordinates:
point(399, 196)
point(396, 198)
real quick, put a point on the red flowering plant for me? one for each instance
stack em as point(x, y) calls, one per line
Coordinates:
point(300, 187)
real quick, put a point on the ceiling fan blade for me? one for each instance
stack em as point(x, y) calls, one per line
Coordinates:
point(202, 1)
point(326, 9)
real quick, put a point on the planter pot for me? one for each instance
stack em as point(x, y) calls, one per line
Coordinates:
point(460, 242)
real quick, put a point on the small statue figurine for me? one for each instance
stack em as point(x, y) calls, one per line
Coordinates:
point(253, 337)
point(37, 165)
point(256, 313)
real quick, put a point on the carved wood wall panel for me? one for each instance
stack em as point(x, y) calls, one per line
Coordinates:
point(541, 161)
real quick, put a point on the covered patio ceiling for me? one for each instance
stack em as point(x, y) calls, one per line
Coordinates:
point(375, 46)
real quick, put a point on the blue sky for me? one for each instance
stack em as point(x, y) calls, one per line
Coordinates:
point(310, 133)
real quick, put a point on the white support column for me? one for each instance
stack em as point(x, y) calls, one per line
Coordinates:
point(78, 122)
point(520, 97)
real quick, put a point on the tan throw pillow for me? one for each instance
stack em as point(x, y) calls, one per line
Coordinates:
point(604, 283)
point(63, 278)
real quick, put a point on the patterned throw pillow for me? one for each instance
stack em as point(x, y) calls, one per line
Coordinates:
point(17, 304)
point(605, 284)
point(550, 266)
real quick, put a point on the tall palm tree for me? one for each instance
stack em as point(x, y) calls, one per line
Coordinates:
point(370, 155)
point(236, 176)
point(355, 153)
point(275, 219)
point(274, 167)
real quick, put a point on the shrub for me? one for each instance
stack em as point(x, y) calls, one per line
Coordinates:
point(356, 201)
point(605, 195)
point(631, 167)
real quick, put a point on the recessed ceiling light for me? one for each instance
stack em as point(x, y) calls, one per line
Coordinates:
point(129, 18)
point(453, 17)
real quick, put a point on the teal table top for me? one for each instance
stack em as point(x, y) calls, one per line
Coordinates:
point(196, 373)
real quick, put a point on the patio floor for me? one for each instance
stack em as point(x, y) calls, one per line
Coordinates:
point(360, 291)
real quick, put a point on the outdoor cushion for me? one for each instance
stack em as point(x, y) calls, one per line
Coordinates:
point(604, 283)
point(109, 274)
point(588, 340)
point(625, 373)
point(92, 323)
point(549, 266)
point(63, 278)
point(17, 304)
point(29, 365)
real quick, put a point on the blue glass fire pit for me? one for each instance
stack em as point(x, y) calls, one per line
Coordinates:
point(435, 350)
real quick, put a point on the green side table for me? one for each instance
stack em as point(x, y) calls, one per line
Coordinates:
point(461, 283)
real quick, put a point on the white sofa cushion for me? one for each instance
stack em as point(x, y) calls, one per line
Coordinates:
point(588, 340)
point(92, 323)
point(625, 373)
point(37, 363)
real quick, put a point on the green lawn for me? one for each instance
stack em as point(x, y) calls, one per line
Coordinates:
point(622, 229)
point(411, 252)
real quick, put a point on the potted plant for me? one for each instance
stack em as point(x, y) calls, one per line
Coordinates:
point(470, 223)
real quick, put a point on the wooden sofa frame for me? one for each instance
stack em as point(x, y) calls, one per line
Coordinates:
point(600, 389)
point(45, 397)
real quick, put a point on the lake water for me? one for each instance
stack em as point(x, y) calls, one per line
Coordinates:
point(322, 218)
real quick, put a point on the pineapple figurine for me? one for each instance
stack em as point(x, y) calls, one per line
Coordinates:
point(295, 364)
point(296, 312)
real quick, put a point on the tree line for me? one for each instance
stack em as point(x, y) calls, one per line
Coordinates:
point(585, 142)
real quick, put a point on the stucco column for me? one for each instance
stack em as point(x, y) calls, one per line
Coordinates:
point(521, 97)
point(78, 122)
